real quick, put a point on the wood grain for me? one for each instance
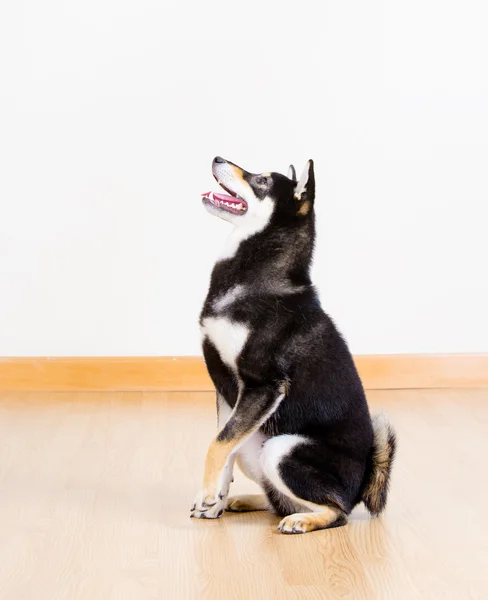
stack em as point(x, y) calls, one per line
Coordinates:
point(95, 492)
point(166, 373)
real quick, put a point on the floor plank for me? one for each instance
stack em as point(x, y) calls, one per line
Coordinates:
point(95, 492)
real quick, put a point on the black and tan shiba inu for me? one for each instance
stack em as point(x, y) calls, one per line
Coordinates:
point(291, 407)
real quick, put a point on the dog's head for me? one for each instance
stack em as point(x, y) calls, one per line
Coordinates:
point(253, 200)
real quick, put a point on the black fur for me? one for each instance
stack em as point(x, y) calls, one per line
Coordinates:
point(293, 340)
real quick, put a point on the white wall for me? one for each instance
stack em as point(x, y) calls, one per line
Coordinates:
point(112, 110)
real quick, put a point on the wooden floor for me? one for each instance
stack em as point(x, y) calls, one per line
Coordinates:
point(96, 489)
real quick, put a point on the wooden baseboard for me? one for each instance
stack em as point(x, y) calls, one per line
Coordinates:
point(389, 371)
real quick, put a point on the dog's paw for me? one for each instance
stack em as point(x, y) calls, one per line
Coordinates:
point(208, 506)
point(304, 522)
point(297, 523)
point(247, 503)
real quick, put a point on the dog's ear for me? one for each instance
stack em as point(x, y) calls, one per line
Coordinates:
point(292, 174)
point(305, 189)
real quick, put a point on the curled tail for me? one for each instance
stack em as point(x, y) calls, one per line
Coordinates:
point(384, 446)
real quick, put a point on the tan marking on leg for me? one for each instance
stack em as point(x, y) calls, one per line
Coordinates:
point(217, 455)
point(304, 522)
point(211, 500)
point(248, 503)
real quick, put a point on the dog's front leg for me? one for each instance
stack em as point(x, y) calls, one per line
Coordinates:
point(254, 406)
point(211, 500)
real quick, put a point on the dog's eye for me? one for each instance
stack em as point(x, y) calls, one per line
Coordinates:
point(261, 180)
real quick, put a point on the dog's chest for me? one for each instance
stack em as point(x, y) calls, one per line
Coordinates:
point(228, 337)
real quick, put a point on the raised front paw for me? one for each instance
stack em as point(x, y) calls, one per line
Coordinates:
point(208, 506)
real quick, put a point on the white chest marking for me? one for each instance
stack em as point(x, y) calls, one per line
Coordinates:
point(227, 336)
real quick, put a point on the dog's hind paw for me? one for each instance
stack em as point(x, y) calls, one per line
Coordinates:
point(305, 522)
point(247, 503)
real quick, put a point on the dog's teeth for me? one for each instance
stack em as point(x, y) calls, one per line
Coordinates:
point(239, 206)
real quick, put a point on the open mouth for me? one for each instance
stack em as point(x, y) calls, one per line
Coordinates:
point(230, 202)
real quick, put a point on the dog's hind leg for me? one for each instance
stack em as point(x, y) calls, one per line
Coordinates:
point(299, 486)
point(304, 522)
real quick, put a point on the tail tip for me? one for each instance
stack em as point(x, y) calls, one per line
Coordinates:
point(384, 449)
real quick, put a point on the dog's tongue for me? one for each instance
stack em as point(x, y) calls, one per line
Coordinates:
point(221, 197)
point(226, 202)
point(225, 198)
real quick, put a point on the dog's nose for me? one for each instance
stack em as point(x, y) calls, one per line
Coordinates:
point(219, 159)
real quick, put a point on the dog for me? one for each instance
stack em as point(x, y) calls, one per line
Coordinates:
point(291, 407)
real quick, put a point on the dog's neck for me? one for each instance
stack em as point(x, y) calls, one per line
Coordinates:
point(274, 260)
